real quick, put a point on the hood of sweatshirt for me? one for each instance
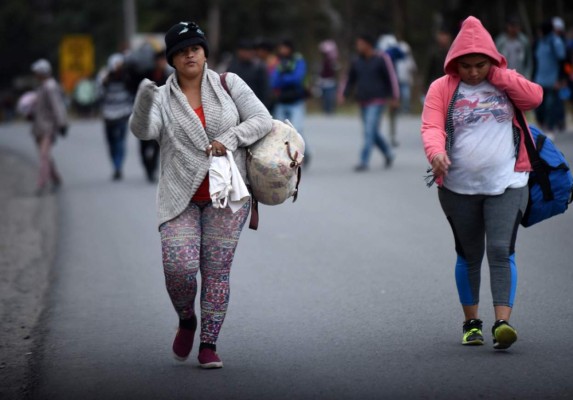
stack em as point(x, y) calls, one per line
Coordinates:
point(473, 38)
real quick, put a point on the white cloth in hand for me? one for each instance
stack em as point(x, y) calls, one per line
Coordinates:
point(226, 186)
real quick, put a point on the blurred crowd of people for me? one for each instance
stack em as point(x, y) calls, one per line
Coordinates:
point(278, 74)
point(381, 77)
point(117, 85)
point(280, 77)
point(382, 73)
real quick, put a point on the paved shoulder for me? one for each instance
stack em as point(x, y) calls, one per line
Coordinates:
point(27, 242)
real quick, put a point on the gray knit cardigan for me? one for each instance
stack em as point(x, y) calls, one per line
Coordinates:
point(164, 114)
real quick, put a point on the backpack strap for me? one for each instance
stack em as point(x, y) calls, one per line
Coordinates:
point(449, 128)
point(294, 164)
point(254, 223)
point(537, 163)
point(223, 77)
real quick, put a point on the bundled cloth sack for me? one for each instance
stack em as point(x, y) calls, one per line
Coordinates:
point(274, 164)
point(27, 103)
point(226, 186)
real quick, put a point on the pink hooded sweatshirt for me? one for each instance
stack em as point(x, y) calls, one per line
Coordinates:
point(474, 38)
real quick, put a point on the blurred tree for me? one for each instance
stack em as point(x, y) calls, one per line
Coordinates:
point(214, 27)
point(17, 31)
point(33, 28)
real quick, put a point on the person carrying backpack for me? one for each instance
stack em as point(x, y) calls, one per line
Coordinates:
point(193, 119)
point(476, 147)
point(49, 118)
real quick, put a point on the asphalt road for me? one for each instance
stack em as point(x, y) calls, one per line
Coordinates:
point(347, 294)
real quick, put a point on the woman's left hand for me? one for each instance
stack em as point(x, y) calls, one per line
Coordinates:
point(217, 149)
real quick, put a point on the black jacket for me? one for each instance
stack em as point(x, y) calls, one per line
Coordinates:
point(372, 78)
point(255, 76)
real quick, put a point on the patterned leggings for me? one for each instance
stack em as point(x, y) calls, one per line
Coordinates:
point(201, 238)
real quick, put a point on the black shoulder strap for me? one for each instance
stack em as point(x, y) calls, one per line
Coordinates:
point(224, 83)
point(537, 164)
point(529, 145)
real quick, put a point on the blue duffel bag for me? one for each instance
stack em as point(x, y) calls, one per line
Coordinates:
point(550, 182)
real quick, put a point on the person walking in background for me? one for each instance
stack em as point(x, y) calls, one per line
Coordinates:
point(476, 148)
point(569, 62)
point(514, 45)
point(264, 50)
point(149, 149)
point(117, 102)
point(49, 118)
point(288, 84)
point(437, 55)
point(549, 53)
point(401, 55)
point(250, 69)
point(193, 118)
point(373, 80)
point(327, 81)
point(563, 92)
point(406, 69)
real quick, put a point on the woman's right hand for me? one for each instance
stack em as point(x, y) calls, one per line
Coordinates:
point(217, 149)
point(146, 93)
point(440, 165)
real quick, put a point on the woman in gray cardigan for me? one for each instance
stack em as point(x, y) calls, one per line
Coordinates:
point(193, 117)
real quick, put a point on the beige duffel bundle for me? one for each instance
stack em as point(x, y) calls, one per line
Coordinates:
point(274, 164)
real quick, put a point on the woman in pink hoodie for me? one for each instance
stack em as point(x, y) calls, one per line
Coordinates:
point(479, 161)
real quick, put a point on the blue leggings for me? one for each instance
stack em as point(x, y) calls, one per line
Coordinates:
point(485, 224)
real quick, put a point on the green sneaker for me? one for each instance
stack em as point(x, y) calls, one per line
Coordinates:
point(472, 333)
point(504, 335)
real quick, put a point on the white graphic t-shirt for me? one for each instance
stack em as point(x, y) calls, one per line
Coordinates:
point(483, 151)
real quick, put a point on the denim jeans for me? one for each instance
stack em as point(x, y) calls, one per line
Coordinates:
point(115, 132)
point(295, 113)
point(329, 99)
point(547, 114)
point(371, 118)
point(405, 97)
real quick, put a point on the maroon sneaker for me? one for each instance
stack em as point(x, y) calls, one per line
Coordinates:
point(183, 342)
point(209, 359)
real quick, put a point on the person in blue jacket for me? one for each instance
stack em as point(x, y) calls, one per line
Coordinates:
point(549, 53)
point(288, 84)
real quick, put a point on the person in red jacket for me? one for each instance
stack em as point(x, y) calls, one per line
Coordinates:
point(476, 149)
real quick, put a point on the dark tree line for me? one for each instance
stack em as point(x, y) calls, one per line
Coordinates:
point(33, 28)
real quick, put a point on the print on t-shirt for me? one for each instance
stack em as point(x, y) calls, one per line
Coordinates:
point(480, 106)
